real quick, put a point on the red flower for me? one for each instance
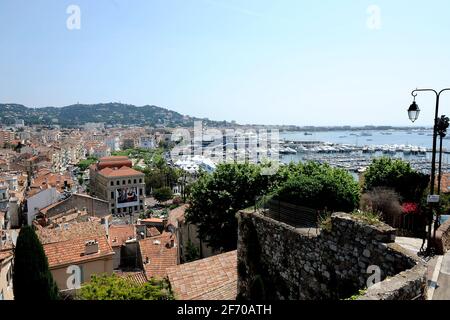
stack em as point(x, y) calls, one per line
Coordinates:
point(410, 207)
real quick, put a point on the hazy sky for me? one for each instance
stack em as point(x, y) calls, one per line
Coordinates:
point(254, 61)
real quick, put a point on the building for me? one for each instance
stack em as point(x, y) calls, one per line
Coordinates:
point(40, 200)
point(157, 254)
point(6, 137)
point(123, 241)
point(112, 179)
point(213, 278)
point(6, 283)
point(92, 255)
point(187, 234)
point(147, 142)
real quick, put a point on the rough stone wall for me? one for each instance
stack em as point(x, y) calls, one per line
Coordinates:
point(277, 261)
point(443, 238)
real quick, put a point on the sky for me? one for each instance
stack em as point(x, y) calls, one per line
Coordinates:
point(294, 62)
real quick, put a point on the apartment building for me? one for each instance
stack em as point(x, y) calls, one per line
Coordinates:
point(113, 179)
point(6, 137)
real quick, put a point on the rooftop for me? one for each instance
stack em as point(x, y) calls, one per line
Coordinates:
point(160, 255)
point(73, 251)
point(70, 231)
point(119, 234)
point(213, 278)
point(122, 172)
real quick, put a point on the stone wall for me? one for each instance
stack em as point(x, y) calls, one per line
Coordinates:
point(94, 206)
point(443, 238)
point(277, 261)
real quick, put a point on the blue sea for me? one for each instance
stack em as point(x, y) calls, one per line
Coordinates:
point(420, 138)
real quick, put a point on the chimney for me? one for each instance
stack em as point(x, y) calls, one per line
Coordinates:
point(91, 247)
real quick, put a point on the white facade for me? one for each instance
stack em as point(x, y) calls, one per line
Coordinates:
point(113, 143)
point(147, 142)
point(41, 200)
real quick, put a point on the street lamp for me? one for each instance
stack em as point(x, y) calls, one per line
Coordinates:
point(413, 114)
point(413, 111)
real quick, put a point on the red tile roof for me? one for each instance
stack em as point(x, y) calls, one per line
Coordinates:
point(73, 251)
point(152, 232)
point(206, 279)
point(135, 277)
point(70, 231)
point(122, 172)
point(119, 234)
point(159, 253)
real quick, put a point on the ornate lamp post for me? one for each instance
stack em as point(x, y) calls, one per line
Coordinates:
point(413, 114)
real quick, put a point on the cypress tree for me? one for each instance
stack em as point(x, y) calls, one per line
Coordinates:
point(32, 278)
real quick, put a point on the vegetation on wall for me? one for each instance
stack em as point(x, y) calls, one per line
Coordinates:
point(317, 186)
point(113, 287)
point(397, 175)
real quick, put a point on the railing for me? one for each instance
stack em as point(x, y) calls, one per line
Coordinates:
point(408, 225)
point(294, 215)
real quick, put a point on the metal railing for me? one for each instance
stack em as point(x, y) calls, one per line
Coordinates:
point(294, 215)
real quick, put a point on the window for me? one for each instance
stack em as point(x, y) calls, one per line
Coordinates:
point(112, 194)
point(135, 208)
point(112, 183)
point(134, 180)
point(140, 191)
point(140, 180)
point(119, 210)
point(142, 207)
point(113, 211)
point(117, 182)
point(123, 182)
point(129, 181)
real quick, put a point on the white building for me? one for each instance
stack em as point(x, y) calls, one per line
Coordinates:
point(147, 142)
point(41, 200)
point(113, 143)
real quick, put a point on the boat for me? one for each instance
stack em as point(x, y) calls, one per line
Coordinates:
point(308, 134)
point(366, 134)
point(288, 150)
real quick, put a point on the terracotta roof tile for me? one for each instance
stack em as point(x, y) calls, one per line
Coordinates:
point(206, 279)
point(70, 231)
point(118, 234)
point(122, 172)
point(159, 253)
point(73, 251)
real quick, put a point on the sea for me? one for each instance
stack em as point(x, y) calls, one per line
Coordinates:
point(420, 138)
point(413, 137)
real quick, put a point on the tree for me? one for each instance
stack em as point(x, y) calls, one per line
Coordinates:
point(163, 194)
point(113, 287)
point(397, 175)
point(192, 252)
point(32, 278)
point(317, 186)
point(215, 199)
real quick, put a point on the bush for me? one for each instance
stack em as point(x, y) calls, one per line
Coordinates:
point(318, 186)
point(384, 201)
point(397, 175)
point(163, 194)
point(106, 287)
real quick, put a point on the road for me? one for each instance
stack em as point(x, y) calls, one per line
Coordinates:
point(442, 291)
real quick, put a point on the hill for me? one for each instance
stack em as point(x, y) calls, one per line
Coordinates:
point(109, 113)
